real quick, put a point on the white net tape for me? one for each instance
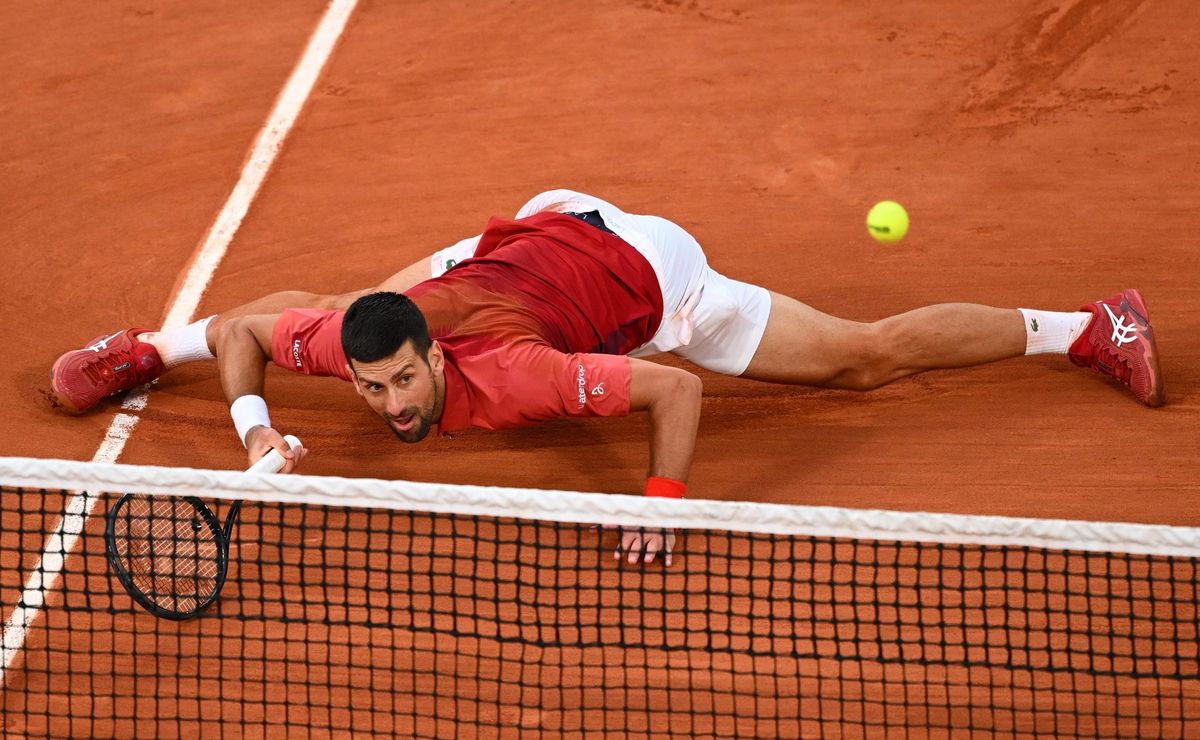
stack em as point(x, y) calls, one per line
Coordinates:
point(603, 508)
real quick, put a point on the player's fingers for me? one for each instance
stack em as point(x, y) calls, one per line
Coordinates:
point(620, 545)
point(670, 546)
point(296, 455)
point(653, 543)
point(631, 543)
point(264, 440)
point(290, 457)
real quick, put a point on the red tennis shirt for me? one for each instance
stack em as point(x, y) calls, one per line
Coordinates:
point(535, 326)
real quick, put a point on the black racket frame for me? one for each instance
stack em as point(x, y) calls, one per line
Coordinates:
point(223, 535)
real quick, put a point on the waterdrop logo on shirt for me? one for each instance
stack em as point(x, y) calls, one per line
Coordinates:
point(581, 380)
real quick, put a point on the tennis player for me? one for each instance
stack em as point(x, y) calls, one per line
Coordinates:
point(547, 315)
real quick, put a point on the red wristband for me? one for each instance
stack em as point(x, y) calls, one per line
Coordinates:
point(665, 488)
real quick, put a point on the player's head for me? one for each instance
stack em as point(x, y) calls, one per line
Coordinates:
point(397, 368)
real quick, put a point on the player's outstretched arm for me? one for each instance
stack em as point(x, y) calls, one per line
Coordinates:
point(243, 348)
point(672, 398)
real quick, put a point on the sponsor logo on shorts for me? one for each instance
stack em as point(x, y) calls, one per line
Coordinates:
point(581, 380)
point(296, 346)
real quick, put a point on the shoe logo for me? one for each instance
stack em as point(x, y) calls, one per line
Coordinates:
point(1122, 333)
point(1033, 323)
point(102, 344)
point(598, 390)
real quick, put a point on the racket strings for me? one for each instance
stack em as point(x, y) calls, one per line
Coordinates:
point(169, 550)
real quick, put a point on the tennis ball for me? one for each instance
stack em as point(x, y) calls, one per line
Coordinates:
point(887, 221)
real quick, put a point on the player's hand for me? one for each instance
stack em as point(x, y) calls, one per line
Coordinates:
point(644, 544)
point(260, 440)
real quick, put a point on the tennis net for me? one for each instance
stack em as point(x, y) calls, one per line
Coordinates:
point(402, 609)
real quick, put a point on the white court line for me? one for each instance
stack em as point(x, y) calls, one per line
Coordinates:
point(186, 300)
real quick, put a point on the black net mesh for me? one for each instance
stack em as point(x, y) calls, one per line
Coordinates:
point(395, 623)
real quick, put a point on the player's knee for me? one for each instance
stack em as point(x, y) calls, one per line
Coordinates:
point(303, 299)
point(692, 384)
point(887, 347)
point(326, 302)
point(868, 362)
point(340, 302)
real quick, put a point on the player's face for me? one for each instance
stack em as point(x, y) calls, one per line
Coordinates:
point(407, 390)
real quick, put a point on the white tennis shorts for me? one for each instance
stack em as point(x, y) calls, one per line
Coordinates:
point(708, 319)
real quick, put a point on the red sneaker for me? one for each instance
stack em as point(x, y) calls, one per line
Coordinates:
point(82, 378)
point(1120, 343)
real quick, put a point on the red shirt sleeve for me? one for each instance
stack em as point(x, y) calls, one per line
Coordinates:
point(309, 341)
point(518, 384)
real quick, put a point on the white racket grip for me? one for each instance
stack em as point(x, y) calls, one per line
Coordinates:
point(273, 462)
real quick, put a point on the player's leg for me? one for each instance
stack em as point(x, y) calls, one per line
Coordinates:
point(81, 378)
point(181, 345)
point(739, 329)
point(198, 340)
point(110, 364)
point(747, 331)
point(267, 305)
point(735, 328)
point(803, 345)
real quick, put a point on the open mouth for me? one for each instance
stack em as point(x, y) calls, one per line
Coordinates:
point(403, 423)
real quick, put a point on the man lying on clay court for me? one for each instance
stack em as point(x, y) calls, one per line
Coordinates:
point(544, 316)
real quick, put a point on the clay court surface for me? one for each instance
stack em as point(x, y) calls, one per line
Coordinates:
point(1046, 152)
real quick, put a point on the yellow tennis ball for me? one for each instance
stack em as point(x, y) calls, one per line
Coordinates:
point(887, 221)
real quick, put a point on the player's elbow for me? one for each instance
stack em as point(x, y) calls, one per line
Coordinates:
point(656, 387)
point(691, 386)
point(683, 388)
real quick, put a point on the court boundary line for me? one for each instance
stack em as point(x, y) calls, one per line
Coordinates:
point(199, 273)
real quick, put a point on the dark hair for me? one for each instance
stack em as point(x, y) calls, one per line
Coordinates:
point(378, 324)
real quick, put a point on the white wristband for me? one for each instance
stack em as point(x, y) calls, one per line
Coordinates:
point(249, 412)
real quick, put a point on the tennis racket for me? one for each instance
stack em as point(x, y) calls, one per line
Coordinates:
point(171, 553)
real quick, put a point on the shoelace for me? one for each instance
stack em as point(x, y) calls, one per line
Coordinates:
point(1119, 365)
point(100, 369)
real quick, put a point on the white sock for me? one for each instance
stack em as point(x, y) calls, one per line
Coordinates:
point(177, 346)
point(1052, 331)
